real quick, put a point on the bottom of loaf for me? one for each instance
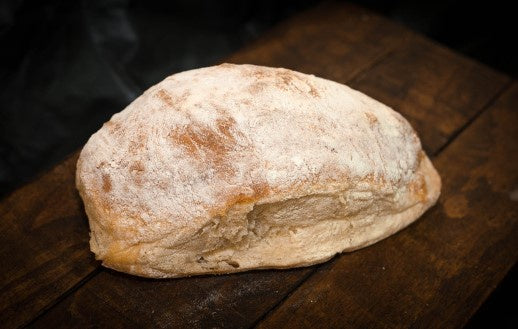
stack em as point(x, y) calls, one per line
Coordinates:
point(305, 246)
point(296, 232)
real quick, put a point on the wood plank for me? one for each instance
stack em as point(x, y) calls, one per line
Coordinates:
point(198, 302)
point(438, 92)
point(240, 300)
point(436, 273)
point(334, 41)
point(44, 245)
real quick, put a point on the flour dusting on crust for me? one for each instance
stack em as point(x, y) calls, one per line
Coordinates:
point(202, 141)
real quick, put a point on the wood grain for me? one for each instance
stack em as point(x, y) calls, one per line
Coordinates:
point(334, 41)
point(44, 246)
point(435, 89)
point(199, 302)
point(240, 300)
point(436, 273)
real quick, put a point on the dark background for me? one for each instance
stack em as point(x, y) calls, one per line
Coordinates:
point(67, 66)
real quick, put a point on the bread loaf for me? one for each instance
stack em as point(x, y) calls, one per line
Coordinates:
point(238, 167)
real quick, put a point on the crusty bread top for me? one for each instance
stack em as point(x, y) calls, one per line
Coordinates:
point(204, 140)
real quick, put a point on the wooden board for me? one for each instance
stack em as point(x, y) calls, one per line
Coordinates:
point(52, 278)
point(44, 246)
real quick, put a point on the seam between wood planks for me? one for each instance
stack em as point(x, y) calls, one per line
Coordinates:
point(63, 296)
point(468, 123)
point(453, 137)
point(272, 309)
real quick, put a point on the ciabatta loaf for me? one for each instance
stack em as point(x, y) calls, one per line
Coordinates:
point(238, 167)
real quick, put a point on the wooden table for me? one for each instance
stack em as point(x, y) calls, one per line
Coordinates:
point(435, 273)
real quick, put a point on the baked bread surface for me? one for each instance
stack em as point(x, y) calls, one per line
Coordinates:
point(237, 167)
